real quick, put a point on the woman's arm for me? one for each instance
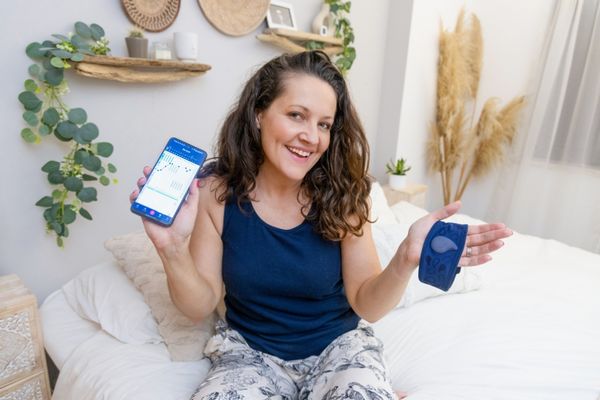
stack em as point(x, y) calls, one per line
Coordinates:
point(191, 250)
point(372, 293)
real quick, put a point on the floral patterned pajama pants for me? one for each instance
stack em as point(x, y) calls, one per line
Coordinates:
point(351, 367)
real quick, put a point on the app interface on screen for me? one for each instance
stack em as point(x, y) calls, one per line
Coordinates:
point(168, 184)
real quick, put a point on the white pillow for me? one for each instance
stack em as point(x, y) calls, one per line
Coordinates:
point(387, 240)
point(380, 210)
point(185, 339)
point(103, 294)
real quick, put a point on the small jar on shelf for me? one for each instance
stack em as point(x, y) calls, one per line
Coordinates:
point(161, 51)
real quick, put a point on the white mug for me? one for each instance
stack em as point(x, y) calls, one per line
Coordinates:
point(186, 46)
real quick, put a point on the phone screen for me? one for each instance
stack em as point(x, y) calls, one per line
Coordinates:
point(169, 181)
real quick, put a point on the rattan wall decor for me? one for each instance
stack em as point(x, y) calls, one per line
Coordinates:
point(151, 15)
point(235, 17)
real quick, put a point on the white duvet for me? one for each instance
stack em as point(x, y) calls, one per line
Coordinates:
point(532, 331)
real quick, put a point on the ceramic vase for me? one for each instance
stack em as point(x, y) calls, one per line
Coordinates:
point(323, 22)
point(186, 46)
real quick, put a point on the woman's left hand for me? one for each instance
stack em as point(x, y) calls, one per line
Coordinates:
point(481, 239)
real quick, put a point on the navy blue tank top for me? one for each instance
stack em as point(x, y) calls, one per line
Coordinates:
point(284, 290)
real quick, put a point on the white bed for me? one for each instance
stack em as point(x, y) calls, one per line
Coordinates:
point(530, 330)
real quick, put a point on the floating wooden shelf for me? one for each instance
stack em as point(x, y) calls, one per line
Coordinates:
point(293, 41)
point(124, 69)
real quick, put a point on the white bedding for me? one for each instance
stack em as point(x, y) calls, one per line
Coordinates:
point(104, 368)
point(531, 332)
point(64, 327)
point(531, 335)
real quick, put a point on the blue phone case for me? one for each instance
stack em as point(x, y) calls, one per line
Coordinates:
point(168, 183)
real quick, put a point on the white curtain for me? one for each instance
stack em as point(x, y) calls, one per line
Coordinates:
point(550, 187)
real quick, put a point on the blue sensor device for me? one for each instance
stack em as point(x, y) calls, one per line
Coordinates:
point(441, 253)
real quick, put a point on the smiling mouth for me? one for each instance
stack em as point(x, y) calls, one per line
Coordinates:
point(298, 152)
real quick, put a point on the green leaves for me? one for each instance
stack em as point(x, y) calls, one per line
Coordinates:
point(77, 57)
point(30, 101)
point(104, 149)
point(397, 168)
point(36, 72)
point(44, 130)
point(28, 135)
point(77, 116)
point(80, 42)
point(343, 30)
point(66, 129)
point(69, 215)
point(73, 184)
point(33, 50)
point(61, 54)
point(30, 85)
point(54, 76)
point(44, 112)
point(56, 177)
point(314, 45)
point(85, 214)
point(83, 30)
point(92, 163)
point(97, 31)
point(87, 133)
point(51, 166)
point(87, 177)
point(87, 194)
point(31, 118)
point(50, 117)
point(58, 216)
point(45, 201)
point(57, 62)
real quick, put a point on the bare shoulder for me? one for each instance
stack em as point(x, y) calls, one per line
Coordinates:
point(352, 239)
point(209, 190)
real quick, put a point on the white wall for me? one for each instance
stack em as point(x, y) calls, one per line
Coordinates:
point(513, 32)
point(370, 26)
point(136, 118)
point(392, 86)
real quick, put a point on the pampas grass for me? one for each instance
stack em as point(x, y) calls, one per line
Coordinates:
point(455, 140)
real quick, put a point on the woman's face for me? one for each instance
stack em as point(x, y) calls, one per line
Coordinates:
point(295, 129)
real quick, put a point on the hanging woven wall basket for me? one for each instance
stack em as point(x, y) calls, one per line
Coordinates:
point(151, 15)
point(235, 17)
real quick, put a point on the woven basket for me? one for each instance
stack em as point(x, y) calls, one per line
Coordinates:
point(151, 15)
point(235, 17)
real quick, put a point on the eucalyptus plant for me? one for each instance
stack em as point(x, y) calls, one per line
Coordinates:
point(46, 114)
point(343, 29)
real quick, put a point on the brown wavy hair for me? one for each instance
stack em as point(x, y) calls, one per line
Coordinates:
point(338, 184)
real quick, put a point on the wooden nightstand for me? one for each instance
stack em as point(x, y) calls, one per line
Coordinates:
point(413, 193)
point(23, 372)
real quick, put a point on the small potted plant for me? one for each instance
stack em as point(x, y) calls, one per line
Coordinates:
point(137, 44)
point(397, 171)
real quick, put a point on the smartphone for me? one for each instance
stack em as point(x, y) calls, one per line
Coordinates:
point(169, 181)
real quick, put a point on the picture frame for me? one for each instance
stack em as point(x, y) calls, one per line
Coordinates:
point(281, 15)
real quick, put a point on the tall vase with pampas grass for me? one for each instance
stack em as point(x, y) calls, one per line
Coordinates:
point(456, 140)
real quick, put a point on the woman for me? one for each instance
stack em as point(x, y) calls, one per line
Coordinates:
point(281, 220)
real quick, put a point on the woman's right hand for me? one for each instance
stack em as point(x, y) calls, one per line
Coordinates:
point(178, 233)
